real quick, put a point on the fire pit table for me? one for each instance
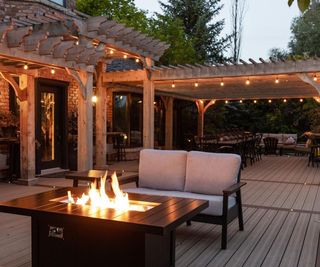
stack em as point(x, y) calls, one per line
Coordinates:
point(65, 234)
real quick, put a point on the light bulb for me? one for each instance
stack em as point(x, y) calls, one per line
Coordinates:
point(196, 85)
point(53, 71)
point(301, 100)
point(173, 85)
point(270, 101)
point(94, 99)
point(25, 67)
point(247, 81)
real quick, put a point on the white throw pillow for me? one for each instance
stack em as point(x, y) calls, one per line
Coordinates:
point(162, 169)
point(211, 173)
point(290, 141)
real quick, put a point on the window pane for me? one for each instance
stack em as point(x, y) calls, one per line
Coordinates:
point(59, 2)
point(120, 123)
point(136, 121)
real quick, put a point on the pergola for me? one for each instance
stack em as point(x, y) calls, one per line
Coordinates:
point(205, 84)
point(30, 43)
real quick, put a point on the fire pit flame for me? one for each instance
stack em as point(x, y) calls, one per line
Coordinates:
point(99, 198)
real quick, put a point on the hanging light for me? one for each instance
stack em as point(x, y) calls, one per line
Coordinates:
point(137, 60)
point(248, 81)
point(25, 67)
point(125, 56)
point(196, 84)
point(222, 82)
point(255, 101)
point(284, 100)
point(301, 100)
point(173, 85)
point(53, 71)
point(270, 101)
point(226, 101)
point(77, 42)
point(240, 101)
point(277, 80)
point(315, 78)
point(111, 52)
point(94, 99)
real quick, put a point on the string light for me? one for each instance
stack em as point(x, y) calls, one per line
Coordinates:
point(137, 60)
point(125, 56)
point(94, 99)
point(111, 52)
point(226, 101)
point(315, 78)
point(222, 82)
point(53, 71)
point(270, 101)
point(173, 85)
point(301, 100)
point(284, 100)
point(77, 42)
point(196, 85)
point(255, 101)
point(240, 101)
point(277, 80)
point(25, 67)
point(248, 81)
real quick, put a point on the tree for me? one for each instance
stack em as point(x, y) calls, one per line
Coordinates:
point(237, 15)
point(306, 33)
point(200, 25)
point(123, 11)
point(278, 54)
point(171, 31)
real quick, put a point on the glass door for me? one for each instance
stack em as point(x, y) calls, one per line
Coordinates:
point(50, 132)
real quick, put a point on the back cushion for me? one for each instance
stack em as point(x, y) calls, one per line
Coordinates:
point(210, 173)
point(161, 169)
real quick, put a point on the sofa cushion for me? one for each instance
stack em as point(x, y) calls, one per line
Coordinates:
point(215, 202)
point(164, 170)
point(211, 173)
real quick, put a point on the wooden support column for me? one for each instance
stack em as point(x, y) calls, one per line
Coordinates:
point(148, 108)
point(85, 123)
point(101, 118)
point(202, 108)
point(27, 131)
point(168, 103)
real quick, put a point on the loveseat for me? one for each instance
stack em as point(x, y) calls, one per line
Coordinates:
point(197, 175)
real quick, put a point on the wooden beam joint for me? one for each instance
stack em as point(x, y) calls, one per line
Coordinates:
point(21, 93)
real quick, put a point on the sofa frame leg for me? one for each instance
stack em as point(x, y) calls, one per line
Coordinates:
point(188, 223)
point(224, 235)
point(240, 215)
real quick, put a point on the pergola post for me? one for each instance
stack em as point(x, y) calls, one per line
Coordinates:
point(101, 118)
point(168, 103)
point(27, 131)
point(85, 123)
point(200, 106)
point(148, 108)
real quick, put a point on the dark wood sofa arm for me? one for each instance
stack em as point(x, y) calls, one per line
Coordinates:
point(233, 188)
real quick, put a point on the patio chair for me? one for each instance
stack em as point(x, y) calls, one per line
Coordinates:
point(270, 145)
point(314, 156)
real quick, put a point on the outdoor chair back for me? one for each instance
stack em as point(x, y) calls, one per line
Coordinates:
point(270, 145)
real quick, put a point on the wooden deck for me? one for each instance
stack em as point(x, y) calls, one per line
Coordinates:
point(281, 213)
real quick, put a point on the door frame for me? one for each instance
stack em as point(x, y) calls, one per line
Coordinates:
point(63, 88)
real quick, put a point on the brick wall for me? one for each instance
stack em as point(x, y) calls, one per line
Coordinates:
point(109, 108)
point(4, 96)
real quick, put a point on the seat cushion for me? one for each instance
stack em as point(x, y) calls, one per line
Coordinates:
point(211, 173)
point(162, 169)
point(215, 202)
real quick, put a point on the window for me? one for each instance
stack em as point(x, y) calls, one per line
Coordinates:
point(59, 2)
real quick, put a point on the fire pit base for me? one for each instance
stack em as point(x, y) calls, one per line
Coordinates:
point(63, 241)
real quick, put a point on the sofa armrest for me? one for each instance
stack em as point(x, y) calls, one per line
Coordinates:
point(233, 189)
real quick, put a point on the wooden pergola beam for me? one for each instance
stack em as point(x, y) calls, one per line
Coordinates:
point(307, 79)
point(21, 93)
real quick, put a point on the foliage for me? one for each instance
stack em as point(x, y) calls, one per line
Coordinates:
point(171, 31)
point(123, 11)
point(278, 53)
point(275, 117)
point(302, 4)
point(306, 34)
point(201, 26)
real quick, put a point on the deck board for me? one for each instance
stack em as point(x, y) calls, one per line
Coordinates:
point(273, 235)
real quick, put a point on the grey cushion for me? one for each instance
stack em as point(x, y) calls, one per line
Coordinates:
point(215, 202)
point(211, 173)
point(163, 170)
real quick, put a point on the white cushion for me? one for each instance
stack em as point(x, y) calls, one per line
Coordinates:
point(215, 202)
point(211, 173)
point(162, 169)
